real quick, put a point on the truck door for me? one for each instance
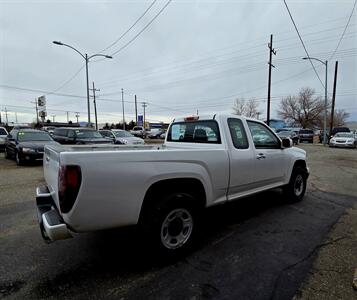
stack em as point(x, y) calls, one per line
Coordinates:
point(270, 159)
point(241, 160)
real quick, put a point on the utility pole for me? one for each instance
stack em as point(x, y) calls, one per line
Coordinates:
point(95, 106)
point(333, 98)
point(77, 116)
point(67, 116)
point(16, 117)
point(53, 118)
point(0, 118)
point(144, 106)
point(7, 121)
point(197, 112)
point(271, 52)
point(122, 102)
point(136, 112)
point(36, 111)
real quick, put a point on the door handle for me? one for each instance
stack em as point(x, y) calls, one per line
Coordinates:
point(261, 156)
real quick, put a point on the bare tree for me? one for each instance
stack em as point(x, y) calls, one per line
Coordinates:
point(246, 108)
point(304, 109)
point(340, 117)
point(239, 107)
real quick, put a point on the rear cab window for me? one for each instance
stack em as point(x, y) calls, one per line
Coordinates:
point(206, 131)
point(238, 135)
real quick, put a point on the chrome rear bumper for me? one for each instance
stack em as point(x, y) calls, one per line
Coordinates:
point(51, 224)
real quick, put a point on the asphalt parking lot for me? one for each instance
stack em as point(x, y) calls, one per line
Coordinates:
point(257, 248)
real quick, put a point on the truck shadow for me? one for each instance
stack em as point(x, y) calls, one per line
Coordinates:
point(120, 255)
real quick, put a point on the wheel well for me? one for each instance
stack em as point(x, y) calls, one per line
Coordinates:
point(301, 164)
point(191, 186)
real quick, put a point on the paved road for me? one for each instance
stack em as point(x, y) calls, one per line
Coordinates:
point(257, 248)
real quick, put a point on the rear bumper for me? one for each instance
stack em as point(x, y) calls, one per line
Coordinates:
point(51, 224)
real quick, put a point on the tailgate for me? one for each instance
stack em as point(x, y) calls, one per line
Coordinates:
point(51, 160)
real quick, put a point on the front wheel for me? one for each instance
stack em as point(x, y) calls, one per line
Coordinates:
point(171, 224)
point(7, 155)
point(295, 189)
point(19, 161)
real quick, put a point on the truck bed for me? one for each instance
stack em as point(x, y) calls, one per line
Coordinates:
point(102, 147)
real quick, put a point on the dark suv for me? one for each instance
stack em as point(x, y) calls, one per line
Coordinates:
point(306, 135)
point(339, 129)
point(78, 136)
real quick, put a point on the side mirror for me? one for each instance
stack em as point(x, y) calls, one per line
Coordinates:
point(286, 143)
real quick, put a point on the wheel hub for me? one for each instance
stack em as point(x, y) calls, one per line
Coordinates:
point(176, 228)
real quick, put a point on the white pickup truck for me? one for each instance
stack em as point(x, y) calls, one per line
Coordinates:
point(204, 161)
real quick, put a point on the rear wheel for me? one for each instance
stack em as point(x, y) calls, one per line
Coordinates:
point(171, 224)
point(295, 189)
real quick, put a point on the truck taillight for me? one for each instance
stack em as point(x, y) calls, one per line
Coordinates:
point(69, 182)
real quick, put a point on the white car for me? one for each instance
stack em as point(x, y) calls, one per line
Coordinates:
point(139, 131)
point(343, 139)
point(3, 135)
point(126, 138)
point(205, 161)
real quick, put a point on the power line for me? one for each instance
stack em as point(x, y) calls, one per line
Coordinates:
point(239, 50)
point(343, 33)
point(302, 42)
point(67, 81)
point(131, 27)
point(192, 66)
point(142, 30)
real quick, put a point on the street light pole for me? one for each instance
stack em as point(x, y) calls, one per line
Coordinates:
point(88, 103)
point(86, 58)
point(325, 113)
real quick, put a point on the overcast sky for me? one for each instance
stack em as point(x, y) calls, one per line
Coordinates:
point(197, 55)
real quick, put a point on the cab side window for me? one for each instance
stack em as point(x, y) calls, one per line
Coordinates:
point(262, 136)
point(238, 135)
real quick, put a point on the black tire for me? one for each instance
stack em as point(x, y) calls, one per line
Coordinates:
point(295, 189)
point(7, 155)
point(173, 218)
point(18, 160)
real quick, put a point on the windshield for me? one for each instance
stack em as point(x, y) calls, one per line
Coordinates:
point(344, 134)
point(33, 136)
point(285, 133)
point(306, 131)
point(122, 134)
point(88, 134)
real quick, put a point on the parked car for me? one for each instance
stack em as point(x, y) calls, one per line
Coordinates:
point(139, 131)
point(339, 129)
point(3, 135)
point(79, 136)
point(289, 134)
point(306, 135)
point(49, 129)
point(205, 161)
point(343, 139)
point(156, 134)
point(122, 137)
point(26, 145)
